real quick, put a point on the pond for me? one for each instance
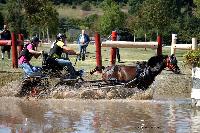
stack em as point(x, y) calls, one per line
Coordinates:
point(97, 116)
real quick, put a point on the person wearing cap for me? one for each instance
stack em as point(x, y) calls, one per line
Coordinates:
point(26, 55)
point(56, 51)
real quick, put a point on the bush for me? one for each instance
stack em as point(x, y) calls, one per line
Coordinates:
point(192, 58)
point(86, 6)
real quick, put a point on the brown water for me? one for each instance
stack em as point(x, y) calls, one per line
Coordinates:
point(97, 116)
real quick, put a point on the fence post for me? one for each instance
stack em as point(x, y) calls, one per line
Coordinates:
point(14, 51)
point(113, 50)
point(98, 51)
point(174, 37)
point(159, 49)
point(194, 43)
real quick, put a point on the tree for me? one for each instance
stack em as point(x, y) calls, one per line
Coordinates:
point(112, 18)
point(197, 9)
point(42, 14)
point(15, 15)
point(157, 14)
point(134, 6)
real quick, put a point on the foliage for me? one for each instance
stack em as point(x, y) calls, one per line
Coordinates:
point(86, 6)
point(197, 9)
point(68, 23)
point(143, 17)
point(90, 21)
point(72, 38)
point(134, 6)
point(192, 58)
point(41, 13)
point(112, 18)
point(15, 16)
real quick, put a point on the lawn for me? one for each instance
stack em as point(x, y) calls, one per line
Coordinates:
point(66, 11)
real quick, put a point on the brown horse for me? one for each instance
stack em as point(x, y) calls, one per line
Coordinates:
point(141, 75)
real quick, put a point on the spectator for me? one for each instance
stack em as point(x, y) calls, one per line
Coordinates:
point(83, 41)
point(5, 35)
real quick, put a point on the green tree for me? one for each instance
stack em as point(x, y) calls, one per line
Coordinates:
point(90, 21)
point(42, 14)
point(197, 9)
point(157, 14)
point(112, 18)
point(14, 16)
point(134, 6)
point(86, 6)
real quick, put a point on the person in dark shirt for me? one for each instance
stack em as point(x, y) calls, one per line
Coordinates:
point(5, 35)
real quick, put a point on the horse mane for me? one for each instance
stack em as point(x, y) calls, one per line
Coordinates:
point(146, 75)
point(153, 61)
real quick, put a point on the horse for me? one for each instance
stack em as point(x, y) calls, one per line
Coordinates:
point(140, 75)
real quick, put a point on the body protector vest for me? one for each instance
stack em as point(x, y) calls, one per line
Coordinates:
point(25, 52)
point(56, 51)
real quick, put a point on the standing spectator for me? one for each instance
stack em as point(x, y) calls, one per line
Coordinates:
point(83, 41)
point(5, 35)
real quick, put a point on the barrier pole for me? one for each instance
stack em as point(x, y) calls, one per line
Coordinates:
point(98, 52)
point(113, 50)
point(14, 51)
point(159, 49)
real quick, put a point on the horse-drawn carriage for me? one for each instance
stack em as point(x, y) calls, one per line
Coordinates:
point(140, 75)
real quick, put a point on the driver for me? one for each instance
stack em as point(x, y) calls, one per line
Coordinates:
point(56, 51)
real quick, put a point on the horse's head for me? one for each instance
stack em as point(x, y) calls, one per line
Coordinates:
point(166, 61)
point(154, 67)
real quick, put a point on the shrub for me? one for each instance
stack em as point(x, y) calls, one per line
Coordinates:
point(192, 58)
point(86, 6)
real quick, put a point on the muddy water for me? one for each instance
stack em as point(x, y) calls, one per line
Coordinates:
point(97, 116)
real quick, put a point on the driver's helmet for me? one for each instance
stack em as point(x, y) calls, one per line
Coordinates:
point(60, 36)
point(35, 39)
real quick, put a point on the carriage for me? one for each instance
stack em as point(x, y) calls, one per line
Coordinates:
point(140, 75)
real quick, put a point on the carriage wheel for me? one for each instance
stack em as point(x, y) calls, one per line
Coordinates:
point(78, 83)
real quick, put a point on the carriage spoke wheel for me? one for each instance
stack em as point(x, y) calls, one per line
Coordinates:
point(78, 83)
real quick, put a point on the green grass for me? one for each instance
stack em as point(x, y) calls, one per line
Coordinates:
point(66, 11)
